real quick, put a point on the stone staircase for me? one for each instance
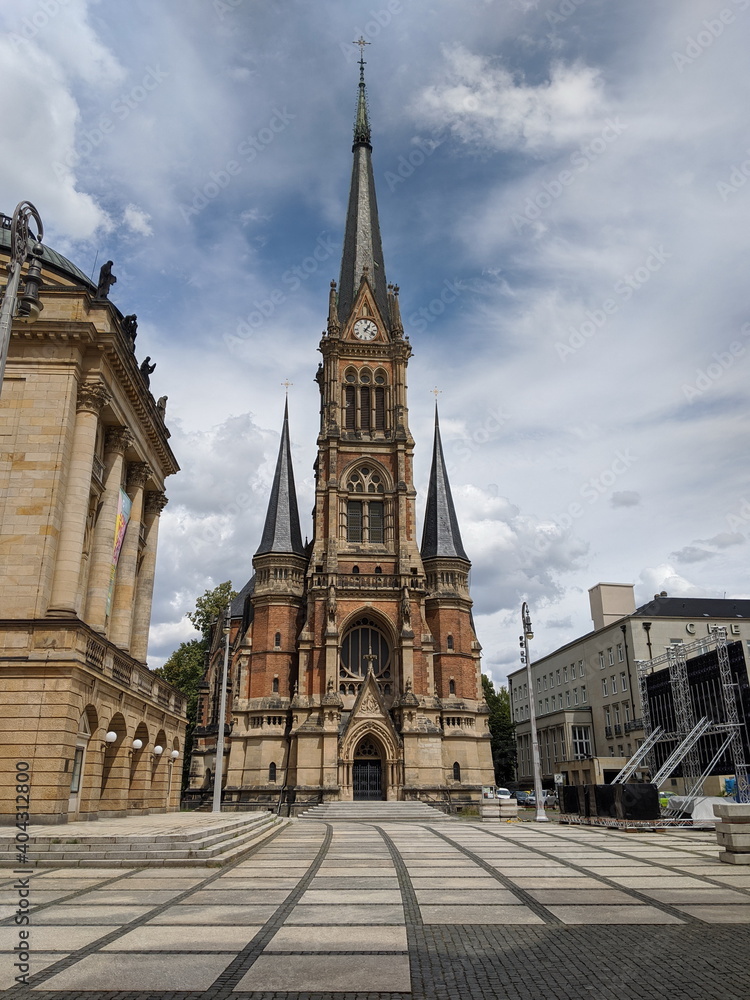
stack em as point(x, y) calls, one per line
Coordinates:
point(375, 812)
point(174, 839)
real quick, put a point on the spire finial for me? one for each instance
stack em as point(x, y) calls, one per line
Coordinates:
point(436, 392)
point(361, 122)
point(287, 386)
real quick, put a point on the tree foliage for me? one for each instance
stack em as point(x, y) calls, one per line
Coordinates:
point(210, 606)
point(502, 732)
point(186, 666)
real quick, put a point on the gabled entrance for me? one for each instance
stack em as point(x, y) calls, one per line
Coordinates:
point(367, 773)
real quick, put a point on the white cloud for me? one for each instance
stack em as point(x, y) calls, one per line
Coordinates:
point(486, 106)
point(137, 220)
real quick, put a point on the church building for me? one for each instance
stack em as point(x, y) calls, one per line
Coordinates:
point(355, 667)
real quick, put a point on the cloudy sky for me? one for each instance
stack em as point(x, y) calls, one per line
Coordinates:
point(564, 201)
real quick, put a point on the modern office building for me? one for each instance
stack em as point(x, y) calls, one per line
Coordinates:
point(586, 694)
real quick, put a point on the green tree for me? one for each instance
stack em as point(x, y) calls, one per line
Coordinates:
point(210, 606)
point(186, 666)
point(502, 732)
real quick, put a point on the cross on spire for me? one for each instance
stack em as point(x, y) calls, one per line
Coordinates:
point(361, 42)
point(287, 385)
point(436, 392)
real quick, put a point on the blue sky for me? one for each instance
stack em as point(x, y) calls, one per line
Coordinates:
point(564, 201)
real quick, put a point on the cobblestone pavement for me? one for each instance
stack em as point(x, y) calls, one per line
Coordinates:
point(397, 910)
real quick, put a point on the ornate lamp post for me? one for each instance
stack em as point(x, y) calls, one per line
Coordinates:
point(528, 633)
point(22, 245)
point(219, 768)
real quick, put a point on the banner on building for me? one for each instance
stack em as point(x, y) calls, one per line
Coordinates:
point(124, 503)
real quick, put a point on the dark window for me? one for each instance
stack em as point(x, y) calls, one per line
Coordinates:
point(272, 772)
point(376, 512)
point(450, 642)
point(354, 521)
point(350, 407)
point(277, 640)
point(456, 771)
point(379, 409)
point(452, 687)
point(364, 408)
point(363, 647)
point(276, 685)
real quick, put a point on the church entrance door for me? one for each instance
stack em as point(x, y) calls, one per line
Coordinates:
point(367, 780)
point(367, 773)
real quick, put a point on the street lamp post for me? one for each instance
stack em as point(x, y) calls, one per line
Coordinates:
point(528, 633)
point(22, 245)
point(219, 768)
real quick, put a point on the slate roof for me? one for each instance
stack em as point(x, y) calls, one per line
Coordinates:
point(281, 532)
point(693, 607)
point(440, 536)
point(362, 243)
point(53, 261)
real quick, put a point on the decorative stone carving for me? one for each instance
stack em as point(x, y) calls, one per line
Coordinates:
point(106, 280)
point(369, 705)
point(92, 396)
point(147, 370)
point(405, 609)
point(331, 606)
point(161, 406)
point(156, 501)
point(130, 327)
point(117, 439)
point(138, 474)
point(334, 327)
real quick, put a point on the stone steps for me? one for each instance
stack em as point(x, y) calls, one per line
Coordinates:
point(370, 812)
point(184, 844)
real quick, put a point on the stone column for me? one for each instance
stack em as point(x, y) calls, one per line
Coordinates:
point(65, 600)
point(154, 505)
point(121, 621)
point(117, 441)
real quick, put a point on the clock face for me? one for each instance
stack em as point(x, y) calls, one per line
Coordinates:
point(365, 329)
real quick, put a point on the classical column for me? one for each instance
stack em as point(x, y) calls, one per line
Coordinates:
point(116, 443)
point(65, 600)
point(154, 505)
point(124, 599)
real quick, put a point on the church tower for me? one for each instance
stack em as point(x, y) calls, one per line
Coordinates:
point(359, 673)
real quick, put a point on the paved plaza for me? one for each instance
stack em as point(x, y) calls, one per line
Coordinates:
point(443, 909)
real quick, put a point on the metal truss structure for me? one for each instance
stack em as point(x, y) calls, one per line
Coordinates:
point(688, 732)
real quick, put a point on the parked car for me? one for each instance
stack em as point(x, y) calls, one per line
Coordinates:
point(523, 798)
point(503, 793)
point(549, 799)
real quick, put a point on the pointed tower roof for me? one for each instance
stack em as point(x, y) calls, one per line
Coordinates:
point(362, 245)
point(281, 532)
point(441, 536)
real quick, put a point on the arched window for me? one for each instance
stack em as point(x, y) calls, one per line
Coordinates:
point(364, 400)
point(276, 685)
point(350, 407)
point(456, 771)
point(450, 643)
point(452, 687)
point(277, 640)
point(272, 772)
point(365, 407)
point(365, 519)
point(364, 646)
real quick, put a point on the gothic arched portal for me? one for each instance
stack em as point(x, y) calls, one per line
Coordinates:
point(367, 771)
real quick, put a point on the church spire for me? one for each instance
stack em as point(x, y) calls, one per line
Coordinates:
point(363, 250)
point(281, 532)
point(441, 537)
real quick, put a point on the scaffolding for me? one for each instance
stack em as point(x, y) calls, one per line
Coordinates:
point(687, 732)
